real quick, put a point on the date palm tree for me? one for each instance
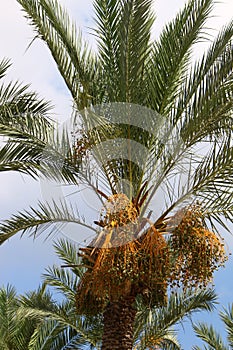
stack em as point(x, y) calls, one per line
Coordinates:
point(211, 338)
point(145, 115)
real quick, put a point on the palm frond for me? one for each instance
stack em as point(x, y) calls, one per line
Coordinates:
point(16, 100)
point(40, 298)
point(73, 57)
point(123, 34)
point(107, 14)
point(160, 320)
point(212, 181)
point(64, 281)
point(171, 54)
point(205, 101)
point(39, 220)
point(209, 336)
point(13, 333)
point(227, 317)
point(4, 65)
point(67, 252)
point(134, 48)
point(58, 321)
point(36, 147)
point(45, 334)
point(29, 135)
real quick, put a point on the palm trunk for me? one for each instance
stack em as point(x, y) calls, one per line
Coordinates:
point(118, 325)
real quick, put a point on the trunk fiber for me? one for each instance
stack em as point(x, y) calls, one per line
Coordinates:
point(118, 325)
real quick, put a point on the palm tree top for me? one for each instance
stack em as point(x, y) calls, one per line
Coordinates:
point(143, 113)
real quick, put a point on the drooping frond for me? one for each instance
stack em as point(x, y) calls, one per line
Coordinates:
point(227, 317)
point(16, 99)
point(213, 179)
point(73, 57)
point(59, 325)
point(39, 220)
point(8, 306)
point(160, 320)
point(15, 333)
point(213, 339)
point(28, 135)
point(209, 336)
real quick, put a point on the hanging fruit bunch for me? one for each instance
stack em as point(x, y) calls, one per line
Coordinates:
point(196, 251)
point(120, 264)
point(132, 257)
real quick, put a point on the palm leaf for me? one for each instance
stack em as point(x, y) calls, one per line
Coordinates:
point(227, 317)
point(4, 65)
point(16, 100)
point(134, 48)
point(107, 14)
point(159, 321)
point(206, 95)
point(171, 54)
point(64, 281)
point(67, 252)
point(73, 58)
point(209, 336)
point(39, 220)
point(35, 147)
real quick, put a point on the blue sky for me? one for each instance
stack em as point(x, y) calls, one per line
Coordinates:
point(23, 260)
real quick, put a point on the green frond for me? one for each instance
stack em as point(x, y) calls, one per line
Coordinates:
point(39, 220)
point(73, 57)
point(15, 100)
point(205, 101)
point(54, 325)
point(134, 48)
point(28, 136)
point(213, 179)
point(52, 336)
point(14, 333)
point(4, 65)
point(67, 252)
point(227, 317)
point(36, 147)
point(213, 339)
point(157, 322)
point(209, 336)
point(59, 314)
point(171, 54)
point(44, 335)
point(62, 279)
point(123, 34)
point(107, 31)
point(57, 324)
point(40, 298)
point(25, 126)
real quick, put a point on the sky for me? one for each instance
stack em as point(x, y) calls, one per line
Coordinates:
point(22, 261)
